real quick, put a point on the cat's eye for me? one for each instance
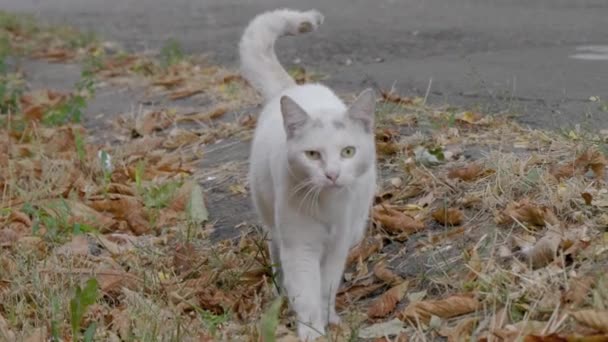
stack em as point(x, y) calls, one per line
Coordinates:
point(314, 155)
point(348, 152)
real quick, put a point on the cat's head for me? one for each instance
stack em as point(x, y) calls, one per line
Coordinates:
point(330, 151)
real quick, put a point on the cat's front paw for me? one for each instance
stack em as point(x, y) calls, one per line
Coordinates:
point(334, 318)
point(309, 333)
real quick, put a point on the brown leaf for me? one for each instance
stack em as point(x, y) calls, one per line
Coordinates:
point(185, 92)
point(462, 331)
point(382, 272)
point(78, 212)
point(578, 291)
point(184, 257)
point(524, 211)
point(5, 330)
point(386, 141)
point(475, 265)
point(169, 81)
point(387, 148)
point(468, 173)
point(499, 320)
point(587, 197)
point(152, 121)
point(390, 96)
point(469, 117)
point(451, 216)
point(182, 197)
point(596, 319)
point(55, 55)
point(78, 246)
point(544, 250)
point(395, 221)
point(215, 113)
point(364, 249)
point(445, 308)
point(124, 208)
point(447, 235)
point(37, 335)
point(387, 302)
point(354, 293)
point(121, 322)
point(545, 338)
point(591, 159)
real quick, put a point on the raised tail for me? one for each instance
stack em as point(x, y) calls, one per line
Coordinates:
point(259, 63)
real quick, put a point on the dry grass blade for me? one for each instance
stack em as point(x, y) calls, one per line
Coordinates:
point(444, 308)
point(450, 216)
point(369, 246)
point(395, 221)
point(387, 302)
point(596, 319)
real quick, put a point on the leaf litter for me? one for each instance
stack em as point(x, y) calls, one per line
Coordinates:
point(525, 263)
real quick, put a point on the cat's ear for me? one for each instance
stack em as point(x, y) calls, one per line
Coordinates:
point(363, 109)
point(294, 116)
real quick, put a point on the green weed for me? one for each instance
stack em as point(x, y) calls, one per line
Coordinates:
point(171, 53)
point(83, 298)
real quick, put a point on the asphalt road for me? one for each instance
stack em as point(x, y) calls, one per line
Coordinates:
point(497, 55)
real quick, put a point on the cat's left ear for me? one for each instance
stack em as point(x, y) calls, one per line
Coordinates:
point(363, 109)
point(294, 116)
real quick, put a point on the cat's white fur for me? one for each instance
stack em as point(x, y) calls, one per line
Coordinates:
point(314, 206)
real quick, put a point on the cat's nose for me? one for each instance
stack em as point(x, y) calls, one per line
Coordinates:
point(332, 175)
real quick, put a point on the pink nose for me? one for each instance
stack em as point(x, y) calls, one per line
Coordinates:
point(332, 175)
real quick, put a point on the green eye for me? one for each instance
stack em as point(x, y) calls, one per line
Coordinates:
point(348, 152)
point(314, 155)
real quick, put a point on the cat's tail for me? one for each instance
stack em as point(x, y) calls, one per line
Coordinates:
point(259, 63)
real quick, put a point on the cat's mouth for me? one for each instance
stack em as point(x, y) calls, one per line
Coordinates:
point(333, 186)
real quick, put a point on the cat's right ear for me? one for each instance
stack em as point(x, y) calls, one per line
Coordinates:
point(294, 116)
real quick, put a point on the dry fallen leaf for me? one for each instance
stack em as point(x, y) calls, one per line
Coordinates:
point(469, 117)
point(445, 308)
point(5, 330)
point(152, 121)
point(578, 291)
point(125, 208)
point(451, 216)
point(591, 159)
point(461, 332)
point(596, 319)
point(387, 302)
point(468, 173)
point(524, 211)
point(587, 197)
point(185, 92)
point(390, 96)
point(382, 272)
point(364, 249)
point(395, 221)
point(37, 335)
point(544, 250)
point(354, 293)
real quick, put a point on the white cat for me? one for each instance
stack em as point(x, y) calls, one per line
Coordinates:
point(312, 171)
